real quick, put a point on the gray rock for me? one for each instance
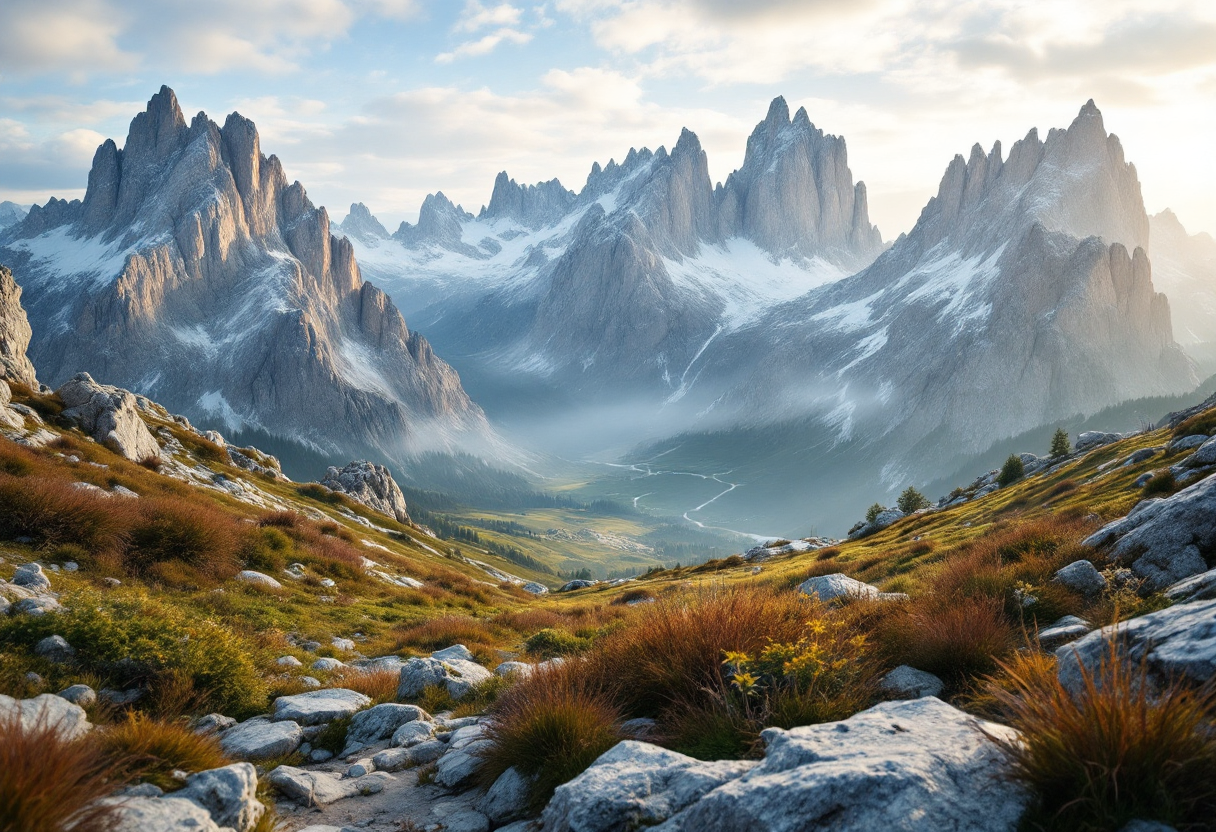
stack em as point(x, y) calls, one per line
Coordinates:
point(507, 799)
point(1165, 540)
point(326, 664)
point(55, 649)
point(535, 588)
point(1069, 628)
point(578, 583)
point(15, 335)
point(369, 484)
point(260, 739)
point(319, 755)
point(1142, 455)
point(360, 768)
point(1204, 456)
point(522, 669)
point(841, 587)
point(1173, 643)
point(229, 795)
point(906, 682)
point(456, 651)
point(342, 643)
point(31, 577)
point(632, 785)
point(120, 698)
point(1198, 588)
point(312, 788)
point(213, 724)
point(639, 728)
point(81, 695)
point(108, 414)
point(38, 605)
point(412, 733)
point(466, 820)
point(288, 661)
point(898, 766)
point(379, 723)
point(1081, 576)
point(458, 766)
point(319, 706)
point(885, 519)
point(249, 576)
point(68, 720)
point(1091, 439)
point(1186, 443)
point(458, 676)
point(310, 682)
point(163, 814)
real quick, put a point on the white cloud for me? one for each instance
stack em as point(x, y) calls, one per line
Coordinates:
point(484, 45)
point(477, 16)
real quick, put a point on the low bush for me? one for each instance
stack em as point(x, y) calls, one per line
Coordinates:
point(134, 640)
point(1012, 471)
point(155, 749)
point(188, 533)
point(549, 643)
point(956, 638)
point(48, 784)
point(52, 511)
point(1161, 483)
point(551, 727)
point(1117, 751)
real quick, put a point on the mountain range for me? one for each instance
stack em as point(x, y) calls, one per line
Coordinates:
point(755, 323)
point(192, 272)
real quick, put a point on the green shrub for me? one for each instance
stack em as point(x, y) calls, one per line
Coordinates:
point(1012, 471)
point(549, 643)
point(266, 549)
point(135, 640)
point(1162, 482)
point(333, 736)
point(911, 500)
point(873, 511)
point(1060, 446)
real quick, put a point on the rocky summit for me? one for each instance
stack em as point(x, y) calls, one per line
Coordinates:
point(191, 249)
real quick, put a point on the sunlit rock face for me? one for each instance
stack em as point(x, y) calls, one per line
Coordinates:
point(192, 272)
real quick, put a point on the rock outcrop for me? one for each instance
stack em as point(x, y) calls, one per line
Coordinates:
point(1166, 540)
point(191, 249)
point(369, 484)
point(15, 334)
point(901, 766)
point(108, 414)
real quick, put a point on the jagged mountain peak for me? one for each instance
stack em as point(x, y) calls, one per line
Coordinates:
point(531, 205)
point(190, 249)
point(361, 223)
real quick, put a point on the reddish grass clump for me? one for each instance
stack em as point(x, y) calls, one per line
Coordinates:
point(446, 630)
point(50, 784)
point(379, 685)
point(1117, 750)
point(954, 638)
point(52, 511)
point(182, 533)
point(154, 749)
point(550, 726)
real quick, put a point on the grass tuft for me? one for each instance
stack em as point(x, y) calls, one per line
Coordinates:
point(155, 749)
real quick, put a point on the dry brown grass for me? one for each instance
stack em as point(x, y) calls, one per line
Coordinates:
point(446, 630)
point(51, 511)
point(956, 638)
point(379, 685)
point(154, 749)
point(1116, 751)
point(550, 726)
point(48, 784)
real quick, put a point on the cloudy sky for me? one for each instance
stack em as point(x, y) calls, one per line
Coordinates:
point(383, 101)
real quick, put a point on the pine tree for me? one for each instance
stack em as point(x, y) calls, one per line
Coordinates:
point(1012, 471)
point(873, 511)
point(911, 500)
point(1060, 446)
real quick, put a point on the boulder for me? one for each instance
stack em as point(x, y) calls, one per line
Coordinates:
point(1173, 643)
point(369, 484)
point(108, 414)
point(507, 799)
point(578, 583)
point(885, 519)
point(69, 720)
point(379, 723)
point(213, 724)
point(249, 576)
point(326, 664)
point(163, 814)
point(395, 759)
point(899, 766)
point(1069, 628)
point(456, 651)
point(1198, 588)
point(522, 669)
point(1081, 576)
point(1186, 443)
point(261, 739)
point(81, 695)
point(1091, 439)
point(288, 661)
point(1165, 540)
point(906, 682)
point(535, 588)
point(412, 733)
point(38, 605)
point(30, 576)
point(319, 706)
point(344, 644)
point(15, 334)
point(466, 820)
point(459, 765)
point(55, 649)
point(312, 788)
point(229, 795)
point(458, 676)
point(633, 785)
point(1203, 456)
point(841, 587)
